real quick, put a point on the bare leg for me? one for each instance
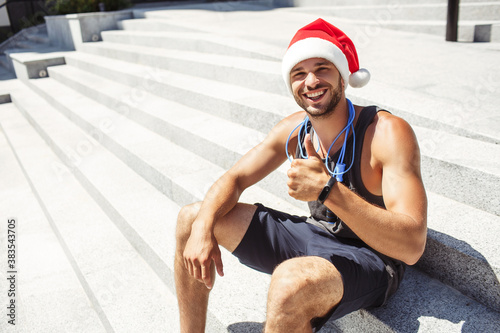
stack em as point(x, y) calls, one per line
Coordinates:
point(301, 289)
point(192, 295)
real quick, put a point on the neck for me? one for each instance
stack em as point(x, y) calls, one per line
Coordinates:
point(327, 128)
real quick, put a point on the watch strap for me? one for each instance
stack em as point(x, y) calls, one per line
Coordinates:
point(326, 190)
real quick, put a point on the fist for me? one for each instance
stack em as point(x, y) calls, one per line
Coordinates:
point(307, 177)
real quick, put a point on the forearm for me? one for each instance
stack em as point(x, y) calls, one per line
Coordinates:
point(219, 200)
point(394, 234)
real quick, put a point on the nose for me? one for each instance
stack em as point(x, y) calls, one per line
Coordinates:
point(311, 80)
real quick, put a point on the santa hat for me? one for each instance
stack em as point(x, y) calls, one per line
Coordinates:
point(320, 39)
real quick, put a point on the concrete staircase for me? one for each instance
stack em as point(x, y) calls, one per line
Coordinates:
point(98, 157)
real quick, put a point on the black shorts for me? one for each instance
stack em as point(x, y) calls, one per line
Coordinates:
point(274, 237)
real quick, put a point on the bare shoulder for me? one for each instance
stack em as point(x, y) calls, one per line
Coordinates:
point(394, 139)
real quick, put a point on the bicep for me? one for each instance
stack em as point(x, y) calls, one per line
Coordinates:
point(402, 186)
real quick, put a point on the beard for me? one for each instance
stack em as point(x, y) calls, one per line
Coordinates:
point(326, 110)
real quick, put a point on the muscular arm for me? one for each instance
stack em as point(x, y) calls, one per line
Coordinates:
point(259, 162)
point(399, 231)
point(202, 247)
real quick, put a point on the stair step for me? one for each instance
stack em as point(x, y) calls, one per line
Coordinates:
point(245, 106)
point(117, 282)
point(322, 3)
point(151, 25)
point(259, 74)
point(45, 278)
point(193, 41)
point(173, 121)
point(422, 304)
point(408, 12)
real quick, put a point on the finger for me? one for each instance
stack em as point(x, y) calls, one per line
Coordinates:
point(206, 277)
point(189, 267)
point(196, 272)
point(311, 152)
point(218, 265)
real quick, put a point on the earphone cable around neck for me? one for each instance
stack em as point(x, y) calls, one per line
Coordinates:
point(339, 169)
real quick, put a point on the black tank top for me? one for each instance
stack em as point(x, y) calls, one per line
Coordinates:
point(320, 214)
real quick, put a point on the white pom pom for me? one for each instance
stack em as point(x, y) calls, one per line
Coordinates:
point(360, 78)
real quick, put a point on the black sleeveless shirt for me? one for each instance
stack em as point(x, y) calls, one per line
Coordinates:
point(320, 214)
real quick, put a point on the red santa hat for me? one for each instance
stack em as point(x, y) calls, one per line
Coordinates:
point(321, 39)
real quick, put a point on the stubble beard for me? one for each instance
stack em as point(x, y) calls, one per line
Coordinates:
point(326, 111)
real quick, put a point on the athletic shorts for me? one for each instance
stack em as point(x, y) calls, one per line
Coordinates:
point(274, 237)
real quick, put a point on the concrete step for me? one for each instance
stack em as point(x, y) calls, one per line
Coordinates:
point(467, 29)
point(422, 304)
point(322, 3)
point(119, 284)
point(190, 41)
point(188, 127)
point(484, 11)
point(47, 289)
point(262, 75)
point(247, 107)
point(152, 25)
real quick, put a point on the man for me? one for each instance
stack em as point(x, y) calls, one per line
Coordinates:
point(366, 223)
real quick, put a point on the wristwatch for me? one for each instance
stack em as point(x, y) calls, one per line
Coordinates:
point(326, 190)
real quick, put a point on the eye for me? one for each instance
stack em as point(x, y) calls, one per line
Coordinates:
point(298, 75)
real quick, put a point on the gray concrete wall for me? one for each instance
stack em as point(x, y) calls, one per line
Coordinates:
point(4, 18)
point(70, 31)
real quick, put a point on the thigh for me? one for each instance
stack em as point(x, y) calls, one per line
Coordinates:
point(365, 275)
point(230, 229)
point(272, 237)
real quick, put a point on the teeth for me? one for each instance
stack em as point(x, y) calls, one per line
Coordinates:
point(316, 94)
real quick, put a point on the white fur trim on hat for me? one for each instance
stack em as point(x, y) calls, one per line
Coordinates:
point(314, 48)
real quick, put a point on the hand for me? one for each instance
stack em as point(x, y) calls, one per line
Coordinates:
point(200, 254)
point(306, 178)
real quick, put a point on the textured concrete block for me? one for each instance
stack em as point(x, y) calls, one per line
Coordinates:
point(70, 31)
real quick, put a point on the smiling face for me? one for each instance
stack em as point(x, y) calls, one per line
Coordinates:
point(317, 86)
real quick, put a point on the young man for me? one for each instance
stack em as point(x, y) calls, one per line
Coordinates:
point(359, 169)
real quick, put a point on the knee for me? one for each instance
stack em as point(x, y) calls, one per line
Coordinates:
point(287, 289)
point(185, 219)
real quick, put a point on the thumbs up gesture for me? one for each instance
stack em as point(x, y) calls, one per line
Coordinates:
point(307, 177)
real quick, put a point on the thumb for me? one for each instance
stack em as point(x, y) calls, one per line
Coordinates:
point(311, 152)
